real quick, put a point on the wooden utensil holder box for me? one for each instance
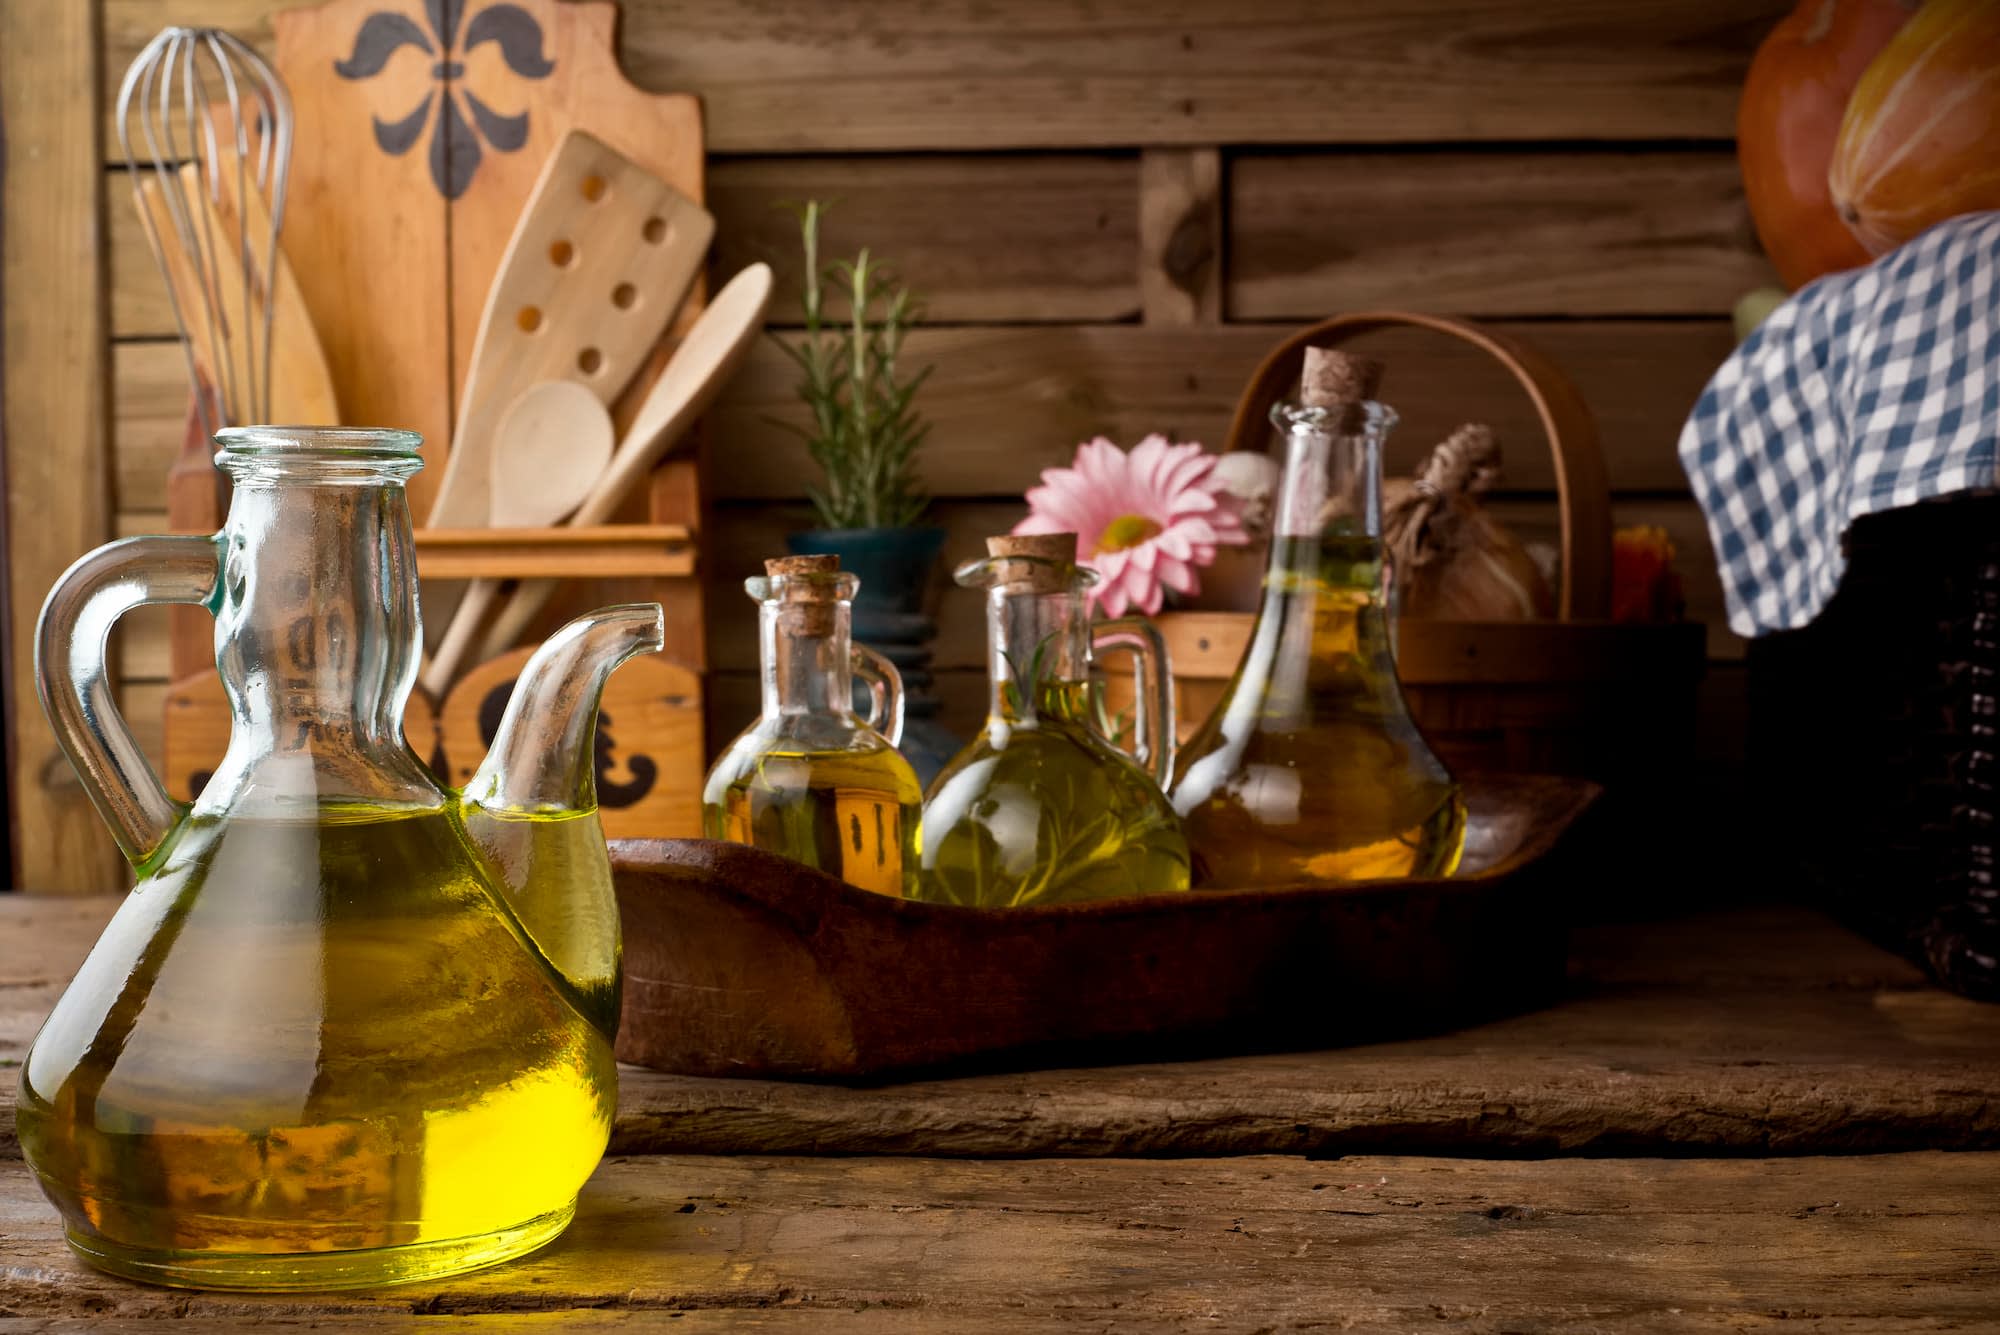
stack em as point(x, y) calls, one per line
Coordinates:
point(651, 751)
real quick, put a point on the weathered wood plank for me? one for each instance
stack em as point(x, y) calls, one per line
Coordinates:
point(1490, 233)
point(1009, 238)
point(1006, 239)
point(1006, 403)
point(800, 76)
point(1760, 1031)
point(1181, 236)
point(54, 421)
point(1002, 238)
point(1380, 1243)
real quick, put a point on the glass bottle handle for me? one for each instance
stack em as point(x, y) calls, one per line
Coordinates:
point(885, 692)
point(70, 671)
point(1153, 690)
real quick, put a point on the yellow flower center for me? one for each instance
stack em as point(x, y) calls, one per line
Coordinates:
point(1124, 532)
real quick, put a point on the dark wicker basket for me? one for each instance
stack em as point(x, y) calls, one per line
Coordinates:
point(1873, 739)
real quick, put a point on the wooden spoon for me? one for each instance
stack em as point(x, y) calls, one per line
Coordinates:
point(696, 373)
point(548, 454)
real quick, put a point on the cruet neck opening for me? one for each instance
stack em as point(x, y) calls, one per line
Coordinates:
point(804, 629)
point(316, 621)
point(1037, 634)
point(307, 455)
point(1332, 483)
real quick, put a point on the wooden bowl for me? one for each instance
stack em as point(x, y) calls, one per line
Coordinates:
point(742, 963)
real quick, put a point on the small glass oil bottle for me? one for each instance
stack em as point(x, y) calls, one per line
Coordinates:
point(1040, 809)
point(1311, 769)
point(810, 779)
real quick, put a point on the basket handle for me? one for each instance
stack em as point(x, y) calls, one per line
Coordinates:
point(1583, 496)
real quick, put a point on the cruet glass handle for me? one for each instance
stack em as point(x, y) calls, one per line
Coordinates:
point(1154, 694)
point(885, 692)
point(76, 688)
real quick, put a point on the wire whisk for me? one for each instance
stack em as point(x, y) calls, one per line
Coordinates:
point(205, 125)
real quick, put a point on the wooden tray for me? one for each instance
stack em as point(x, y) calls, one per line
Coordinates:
point(742, 963)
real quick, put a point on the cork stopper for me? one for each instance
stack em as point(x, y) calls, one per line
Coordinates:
point(1031, 576)
point(801, 565)
point(809, 604)
point(1332, 378)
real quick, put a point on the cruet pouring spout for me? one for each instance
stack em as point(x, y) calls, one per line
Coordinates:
point(531, 810)
point(542, 757)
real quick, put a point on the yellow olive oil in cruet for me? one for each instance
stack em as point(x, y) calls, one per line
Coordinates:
point(349, 1028)
point(331, 1039)
point(1311, 769)
point(1039, 808)
point(810, 779)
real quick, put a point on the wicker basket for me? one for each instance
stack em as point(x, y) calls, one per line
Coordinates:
point(1579, 696)
point(1873, 739)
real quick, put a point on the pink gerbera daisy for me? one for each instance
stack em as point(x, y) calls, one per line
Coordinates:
point(1145, 521)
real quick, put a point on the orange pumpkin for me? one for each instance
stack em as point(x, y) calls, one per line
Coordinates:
point(1787, 122)
point(1921, 139)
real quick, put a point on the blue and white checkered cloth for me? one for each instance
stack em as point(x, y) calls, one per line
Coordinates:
point(1868, 390)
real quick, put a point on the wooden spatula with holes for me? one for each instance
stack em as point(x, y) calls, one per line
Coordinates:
point(602, 257)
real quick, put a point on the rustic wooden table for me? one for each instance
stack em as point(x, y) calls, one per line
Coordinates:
point(1734, 1121)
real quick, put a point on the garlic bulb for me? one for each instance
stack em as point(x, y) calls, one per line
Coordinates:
point(1451, 560)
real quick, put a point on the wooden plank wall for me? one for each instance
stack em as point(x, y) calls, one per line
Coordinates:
point(1114, 209)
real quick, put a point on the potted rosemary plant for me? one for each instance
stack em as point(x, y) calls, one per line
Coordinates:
point(863, 431)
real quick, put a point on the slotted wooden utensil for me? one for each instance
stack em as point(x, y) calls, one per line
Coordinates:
point(601, 259)
point(695, 374)
point(397, 248)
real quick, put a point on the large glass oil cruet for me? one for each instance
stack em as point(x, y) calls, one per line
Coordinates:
point(1039, 808)
point(809, 778)
point(349, 1028)
point(1311, 769)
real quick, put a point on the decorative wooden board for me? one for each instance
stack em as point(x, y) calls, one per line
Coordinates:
point(422, 127)
point(740, 962)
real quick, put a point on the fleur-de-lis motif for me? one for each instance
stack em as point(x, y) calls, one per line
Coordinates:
point(454, 143)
